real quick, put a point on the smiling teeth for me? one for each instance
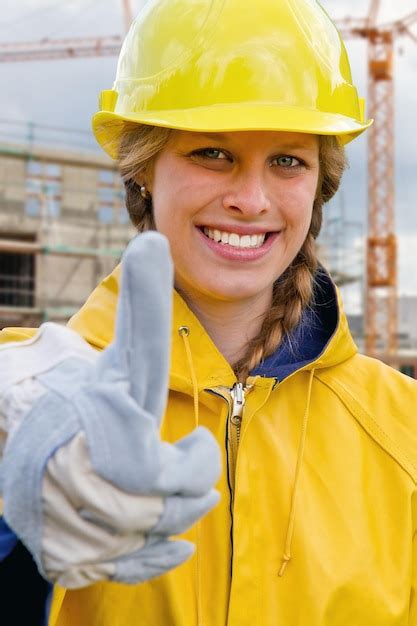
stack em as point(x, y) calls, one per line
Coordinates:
point(232, 239)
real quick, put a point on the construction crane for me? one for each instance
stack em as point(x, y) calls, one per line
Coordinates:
point(68, 48)
point(381, 298)
point(381, 258)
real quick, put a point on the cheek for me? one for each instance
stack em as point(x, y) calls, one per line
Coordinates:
point(160, 215)
point(166, 192)
point(307, 189)
point(299, 207)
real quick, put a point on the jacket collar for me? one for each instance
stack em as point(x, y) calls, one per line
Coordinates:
point(322, 337)
point(321, 340)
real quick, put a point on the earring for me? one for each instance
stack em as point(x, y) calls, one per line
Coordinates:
point(145, 193)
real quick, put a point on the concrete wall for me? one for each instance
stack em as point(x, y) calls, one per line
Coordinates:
point(60, 199)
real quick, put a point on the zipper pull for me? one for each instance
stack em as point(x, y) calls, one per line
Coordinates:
point(238, 396)
point(237, 393)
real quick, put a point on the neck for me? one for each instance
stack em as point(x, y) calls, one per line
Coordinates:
point(230, 324)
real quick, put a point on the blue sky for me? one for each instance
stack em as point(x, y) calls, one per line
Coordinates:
point(64, 94)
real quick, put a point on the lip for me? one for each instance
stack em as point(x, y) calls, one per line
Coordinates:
point(239, 254)
point(239, 229)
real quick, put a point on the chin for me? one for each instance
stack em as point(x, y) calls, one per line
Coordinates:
point(233, 293)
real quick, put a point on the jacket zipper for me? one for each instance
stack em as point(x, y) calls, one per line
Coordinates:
point(237, 394)
point(235, 397)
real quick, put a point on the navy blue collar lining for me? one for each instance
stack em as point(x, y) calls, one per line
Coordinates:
point(309, 339)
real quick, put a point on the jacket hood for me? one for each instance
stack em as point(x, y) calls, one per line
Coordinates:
point(321, 340)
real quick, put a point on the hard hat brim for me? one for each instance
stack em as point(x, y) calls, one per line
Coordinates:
point(108, 126)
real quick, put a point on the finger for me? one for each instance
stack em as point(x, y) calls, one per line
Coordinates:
point(94, 498)
point(70, 540)
point(153, 560)
point(140, 350)
point(197, 467)
point(149, 562)
point(125, 512)
point(77, 577)
point(182, 513)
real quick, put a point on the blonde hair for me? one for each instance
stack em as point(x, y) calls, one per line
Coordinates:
point(294, 290)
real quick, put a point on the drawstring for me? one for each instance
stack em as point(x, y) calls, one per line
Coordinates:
point(286, 558)
point(184, 332)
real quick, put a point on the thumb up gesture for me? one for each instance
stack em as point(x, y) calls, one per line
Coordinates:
point(88, 486)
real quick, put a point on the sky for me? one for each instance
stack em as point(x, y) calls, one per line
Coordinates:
point(64, 94)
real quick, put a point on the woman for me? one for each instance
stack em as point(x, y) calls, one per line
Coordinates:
point(228, 121)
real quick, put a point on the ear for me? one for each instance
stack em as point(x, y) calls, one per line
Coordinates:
point(144, 179)
point(147, 177)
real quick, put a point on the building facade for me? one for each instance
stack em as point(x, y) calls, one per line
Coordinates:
point(63, 227)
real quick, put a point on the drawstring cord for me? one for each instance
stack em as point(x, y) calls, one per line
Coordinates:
point(286, 557)
point(184, 332)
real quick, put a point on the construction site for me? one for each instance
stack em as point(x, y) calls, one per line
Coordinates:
point(64, 226)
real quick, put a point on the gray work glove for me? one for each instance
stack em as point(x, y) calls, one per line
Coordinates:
point(88, 486)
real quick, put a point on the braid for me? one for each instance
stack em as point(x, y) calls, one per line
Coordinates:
point(293, 291)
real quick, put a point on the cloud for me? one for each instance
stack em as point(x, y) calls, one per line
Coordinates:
point(407, 262)
point(34, 20)
point(359, 8)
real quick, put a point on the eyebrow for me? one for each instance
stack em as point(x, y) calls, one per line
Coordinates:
point(296, 145)
point(288, 145)
point(217, 136)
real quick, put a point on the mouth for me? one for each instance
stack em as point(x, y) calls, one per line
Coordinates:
point(235, 240)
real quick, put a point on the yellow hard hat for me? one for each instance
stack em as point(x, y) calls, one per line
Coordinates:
point(228, 65)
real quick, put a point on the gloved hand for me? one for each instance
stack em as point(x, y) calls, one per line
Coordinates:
point(88, 486)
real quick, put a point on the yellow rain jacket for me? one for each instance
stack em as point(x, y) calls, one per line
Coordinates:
point(317, 519)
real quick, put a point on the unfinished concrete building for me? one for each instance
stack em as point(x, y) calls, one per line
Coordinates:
point(63, 227)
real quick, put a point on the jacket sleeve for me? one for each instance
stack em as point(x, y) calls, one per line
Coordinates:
point(8, 540)
point(19, 578)
point(412, 620)
point(16, 334)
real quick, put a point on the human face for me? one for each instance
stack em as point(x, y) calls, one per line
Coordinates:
point(238, 185)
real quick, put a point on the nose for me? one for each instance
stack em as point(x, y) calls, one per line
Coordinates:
point(247, 195)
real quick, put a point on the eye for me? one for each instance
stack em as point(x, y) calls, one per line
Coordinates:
point(214, 154)
point(287, 161)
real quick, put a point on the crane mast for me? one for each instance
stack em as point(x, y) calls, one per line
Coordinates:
point(381, 335)
point(381, 323)
point(381, 301)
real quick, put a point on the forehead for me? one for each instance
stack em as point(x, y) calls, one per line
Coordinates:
point(249, 138)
